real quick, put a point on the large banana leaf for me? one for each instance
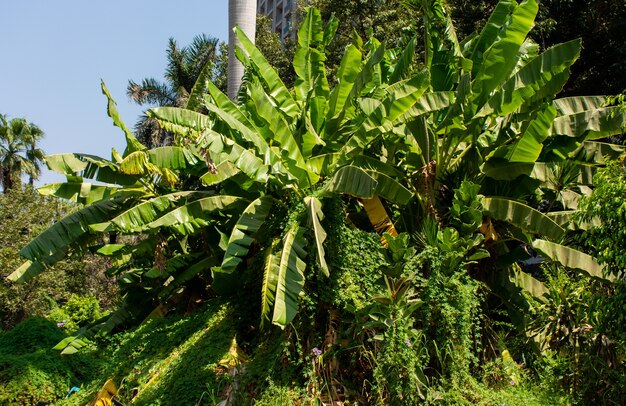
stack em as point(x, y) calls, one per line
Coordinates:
point(189, 218)
point(531, 78)
point(175, 158)
point(27, 271)
point(375, 164)
point(528, 283)
point(399, 99)
point(199, 89)
point(268, 75)
point(577, 104)
point(79, 192)
point(58, 237)
point(352, 181)
point(528, 146)
point(271, 264)
point(594, 124)
point(89, 167)
point(598, 152)
point(346, 76)
point(523, 216)
point(281, 135)
point(226, 150)
point(290, 276)
point(490, 32)
point(138, 217)
point(308, 61)
point(428, 103)
point(262, 147)
point(65, 164)
point(403, 65)
point(180, 121)
point(241, 237)
point(316, 215)
point(390, 189)
point(223, 171)
point(501, 57)
point(132, 144)
point(571, 258)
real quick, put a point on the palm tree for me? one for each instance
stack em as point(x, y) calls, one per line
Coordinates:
point(184, 67)
point(241, 13)
point(19, 153)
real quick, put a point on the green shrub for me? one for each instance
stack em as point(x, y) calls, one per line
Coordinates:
point(78, 311)
point(31, 372)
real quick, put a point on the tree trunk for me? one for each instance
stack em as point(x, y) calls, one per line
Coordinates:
point(241, 13)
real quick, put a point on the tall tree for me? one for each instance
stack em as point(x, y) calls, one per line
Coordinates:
point(19, 153)
point(241, 13)
point(184, 67)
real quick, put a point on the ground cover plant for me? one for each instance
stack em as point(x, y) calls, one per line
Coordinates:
point(383, 238)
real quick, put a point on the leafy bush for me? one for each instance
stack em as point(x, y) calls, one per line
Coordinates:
point(24, 213)
point(78, 311)
point(31, 372)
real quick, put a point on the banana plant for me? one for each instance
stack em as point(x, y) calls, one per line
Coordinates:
point(145, 210)
point(491, 115)
point(303, 145)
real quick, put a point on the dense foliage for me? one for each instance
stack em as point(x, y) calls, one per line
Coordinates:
point(386, 233)
point(24, 214)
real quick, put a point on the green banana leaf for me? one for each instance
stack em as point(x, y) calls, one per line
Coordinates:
point(501, 57)
point(175, 158)
point(241, 237)
point(308, 61)
point(79, 192)
point(594, 124)
point(199, 89)
point(271, 264)
point(488, 35)
point(58, 237)
point(226, 150)
point(402, 67)
point(529, 145)
point(184, 122)
point(594, 152)
point(577, 104)
point(192, 216)
point(268, 75)
point(316, 215)
point(132, 144)
point(352, 181)
point(390, 189)
point(281, 134)
point(522, 216)
point(223, 171)
point(531, 78)
point(346, 76)
point(429, 102)
point(139, 216)
point(290, 276)
point(571, 258)
point(89, 167)
point(26, 272)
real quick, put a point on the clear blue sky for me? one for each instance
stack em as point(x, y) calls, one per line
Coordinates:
point(54, 53)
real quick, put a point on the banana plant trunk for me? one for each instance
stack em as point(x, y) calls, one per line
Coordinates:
point(241, 13)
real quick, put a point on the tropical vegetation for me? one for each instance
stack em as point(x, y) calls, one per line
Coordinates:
point(406, 229)
point(19, 151)
point(196, 63)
